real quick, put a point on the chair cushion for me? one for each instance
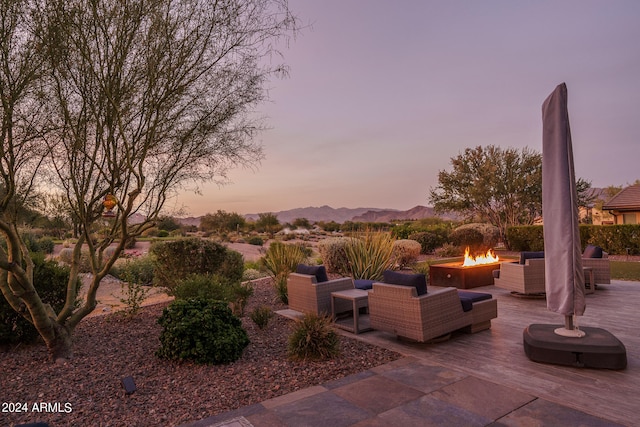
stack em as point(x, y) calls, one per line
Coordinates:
point(313, 270)
point(363, 284)
point(418, 281)
point(524, 256)
point(592, 251)
point(468, 298)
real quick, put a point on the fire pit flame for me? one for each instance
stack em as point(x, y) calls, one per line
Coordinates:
point(470, 261)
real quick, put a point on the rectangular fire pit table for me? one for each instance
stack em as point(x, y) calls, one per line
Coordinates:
point(454, 274)
point(359, 299)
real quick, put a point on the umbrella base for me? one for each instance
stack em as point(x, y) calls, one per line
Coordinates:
point(598, 349)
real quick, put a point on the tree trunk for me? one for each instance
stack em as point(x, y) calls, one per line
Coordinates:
point(61, 346)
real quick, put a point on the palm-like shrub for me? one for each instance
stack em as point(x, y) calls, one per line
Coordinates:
point(280, 260)
point(369, 255)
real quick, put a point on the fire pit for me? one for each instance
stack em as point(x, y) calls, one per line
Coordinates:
point(471, 273)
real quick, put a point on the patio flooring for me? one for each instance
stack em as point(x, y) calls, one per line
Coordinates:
point(479, 379)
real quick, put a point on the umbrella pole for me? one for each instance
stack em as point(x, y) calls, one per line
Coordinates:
point(569, 329)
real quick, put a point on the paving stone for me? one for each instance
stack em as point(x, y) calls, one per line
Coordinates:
point(428, 411)
point(423, 377)
point(483, 397)
point(378, 394)
point(541, 412)
point(321, 410)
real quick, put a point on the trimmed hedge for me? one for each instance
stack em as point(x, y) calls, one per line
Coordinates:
point(614, 239)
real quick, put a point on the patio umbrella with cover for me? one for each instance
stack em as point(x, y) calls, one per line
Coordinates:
point(564, 276)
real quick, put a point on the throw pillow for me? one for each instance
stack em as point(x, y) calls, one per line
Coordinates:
point(592, 251)
point(524, 256)
point(313, 270)
point(418, 281)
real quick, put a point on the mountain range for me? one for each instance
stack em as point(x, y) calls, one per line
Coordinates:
point(340, 215)
point(327, 214)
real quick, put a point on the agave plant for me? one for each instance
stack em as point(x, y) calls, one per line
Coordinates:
point(369, 255)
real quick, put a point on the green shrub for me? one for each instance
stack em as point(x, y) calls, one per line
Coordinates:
point(428, 241)
point(214, 287)
point(66, 256)
point(46, 245)
point(135, 270)
point(490, 234)
point(261, 316)
point(134, 295)
point(334, 257)
point(31, 241)
point(313, 337)
point(402, 231)
point(448, 250)
point(50, 281)
point(255, 240)
point(256, 265)
point(406, 252)
point(525, 238)
point(162, 233)
point(177, 259)
point(202, 331)
point(252, 274)
point(470, 237)
point(370, 255)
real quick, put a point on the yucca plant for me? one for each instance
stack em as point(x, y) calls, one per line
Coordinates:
point(280, 260)
point(369, 255)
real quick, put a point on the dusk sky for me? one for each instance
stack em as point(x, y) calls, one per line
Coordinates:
point(382, 94)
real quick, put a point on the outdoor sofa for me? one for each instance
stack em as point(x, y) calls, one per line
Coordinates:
point(407, 309)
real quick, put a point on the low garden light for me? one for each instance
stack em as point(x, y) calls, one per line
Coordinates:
point(109, 203)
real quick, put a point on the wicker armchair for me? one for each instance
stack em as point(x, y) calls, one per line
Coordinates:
point(528, 278)
point(601, 268)
point(308, 296)
point(397, 309)
point(524, 279)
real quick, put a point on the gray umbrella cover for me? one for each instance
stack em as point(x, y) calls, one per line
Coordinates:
point(564, 277)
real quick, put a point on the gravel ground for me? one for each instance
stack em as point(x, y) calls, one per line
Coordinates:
point(86, 390)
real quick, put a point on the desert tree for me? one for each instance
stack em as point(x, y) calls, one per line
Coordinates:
point(139, 100)
point(22, 154)
point(268, 222)
point(222, 221)
point(500, 186)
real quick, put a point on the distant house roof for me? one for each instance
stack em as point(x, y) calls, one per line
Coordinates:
point(628, 199)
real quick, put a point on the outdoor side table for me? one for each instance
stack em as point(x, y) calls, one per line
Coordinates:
point(359, 299)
